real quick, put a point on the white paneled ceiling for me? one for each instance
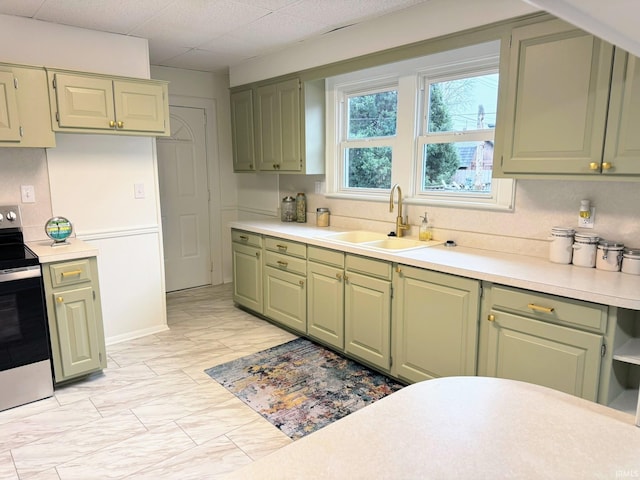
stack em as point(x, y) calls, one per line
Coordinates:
point(208, 35)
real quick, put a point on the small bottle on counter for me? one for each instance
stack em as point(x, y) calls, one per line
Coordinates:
point(322, 217)
point(425, 232)
point(301, 208)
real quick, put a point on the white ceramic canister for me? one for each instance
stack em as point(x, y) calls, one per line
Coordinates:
point(609, 255)
point(631, 261)
point(561, 246)
point(584, 249)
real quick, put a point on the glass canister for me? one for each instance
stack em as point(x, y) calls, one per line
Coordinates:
point(561, 246)
point(631, 261)
point(584, 249)
point(322, 217)
point(301, 208)
point(288, 209)
point(609, 255)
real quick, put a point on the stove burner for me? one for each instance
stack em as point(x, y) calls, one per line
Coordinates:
point(13, 252)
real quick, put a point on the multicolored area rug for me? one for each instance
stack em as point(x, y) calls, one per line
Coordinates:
point(300, 386)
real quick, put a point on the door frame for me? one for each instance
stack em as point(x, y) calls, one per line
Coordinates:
point(213, 172)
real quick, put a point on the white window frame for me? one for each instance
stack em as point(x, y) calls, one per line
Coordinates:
point(407, 146)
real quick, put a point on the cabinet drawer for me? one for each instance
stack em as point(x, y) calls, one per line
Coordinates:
point(369, 266)
point(288, 247)
point(70, 273)
point(328, 257)
point(550, 308)
point(246, 238)
point(286, 263)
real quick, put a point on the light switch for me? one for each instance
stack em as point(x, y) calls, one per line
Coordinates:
point(138, 190)
point(28, 193)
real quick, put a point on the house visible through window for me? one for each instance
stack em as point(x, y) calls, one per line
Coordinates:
point(426, 123)
point(457, 141)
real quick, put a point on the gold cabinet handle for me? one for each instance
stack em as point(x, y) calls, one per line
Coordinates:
point(339, 276)
point(72, 273)
point(59, 299)
point(244, 238)
point(346, 278)
point(120, 124)
point(301, 283)
point(491, 318)
point(606, 165)
point(282, 264)
point(538, 308)
point(281, 247)
point(594, 166)
point(257, 254)
point(251, 166)
point(112, 123)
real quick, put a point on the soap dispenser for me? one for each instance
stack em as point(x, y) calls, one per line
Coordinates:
point(426, 232)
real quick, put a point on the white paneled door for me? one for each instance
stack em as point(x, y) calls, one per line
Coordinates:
point(184, 199)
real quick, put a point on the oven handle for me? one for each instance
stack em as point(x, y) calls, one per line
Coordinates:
point(20, 273)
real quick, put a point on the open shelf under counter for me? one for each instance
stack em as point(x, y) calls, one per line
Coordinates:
point(626, 402)
point(629, 352)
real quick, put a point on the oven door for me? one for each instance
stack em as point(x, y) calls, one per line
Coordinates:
point(24, 337)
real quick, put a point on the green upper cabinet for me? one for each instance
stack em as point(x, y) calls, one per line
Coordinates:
point(622, 143)
point(24, 107)
point(244, 157)
point(556, 101)
point(286, 122)
point(103, 104)
point(9, 123)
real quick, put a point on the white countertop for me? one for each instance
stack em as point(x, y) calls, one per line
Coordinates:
point(464, 427)
point(67, 251)
point(522, 271)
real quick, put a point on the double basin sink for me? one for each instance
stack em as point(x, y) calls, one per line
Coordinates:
point(378, 241)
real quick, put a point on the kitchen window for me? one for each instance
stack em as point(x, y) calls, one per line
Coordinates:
point(427, 124)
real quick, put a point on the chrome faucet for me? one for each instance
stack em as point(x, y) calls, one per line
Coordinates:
point(401, 223)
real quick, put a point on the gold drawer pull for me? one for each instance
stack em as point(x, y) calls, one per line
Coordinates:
point(282, 264)
point(538, 308)
point(281, 247)
point(606, 165)
point(244, 238)
point(491, 318)
point(72, 273)
point(594, 166)
point(59, 299)
point(120, 124)
point(112, 123)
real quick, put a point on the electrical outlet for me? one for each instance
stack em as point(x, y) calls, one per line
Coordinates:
point(138, 190)
point(589, 221)
point(28, 193)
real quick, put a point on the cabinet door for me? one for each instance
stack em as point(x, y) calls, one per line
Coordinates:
point(435, 324)
point(268, 146)
point(532, 351)
point(242, 131)
point(367, 319)
point(9, 122)
point(622, 144)
point(78, 335)
point(285, 298)
point(557, 95)
point(139, 106)
point(290, 118)
point(247, 277)
point(84, 102)
point(325, 304)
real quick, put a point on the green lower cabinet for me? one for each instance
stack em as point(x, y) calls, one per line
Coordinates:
point(557, 357)
point(285, 298)
point(325, 304)
point(75, 318)
point(247, 276)
point(435, 318)
point(367, 312)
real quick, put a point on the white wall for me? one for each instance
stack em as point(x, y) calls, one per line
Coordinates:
point(91, 177)
point(426, 20)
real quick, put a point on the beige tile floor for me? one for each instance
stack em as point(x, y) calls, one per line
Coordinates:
point(153, 413)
